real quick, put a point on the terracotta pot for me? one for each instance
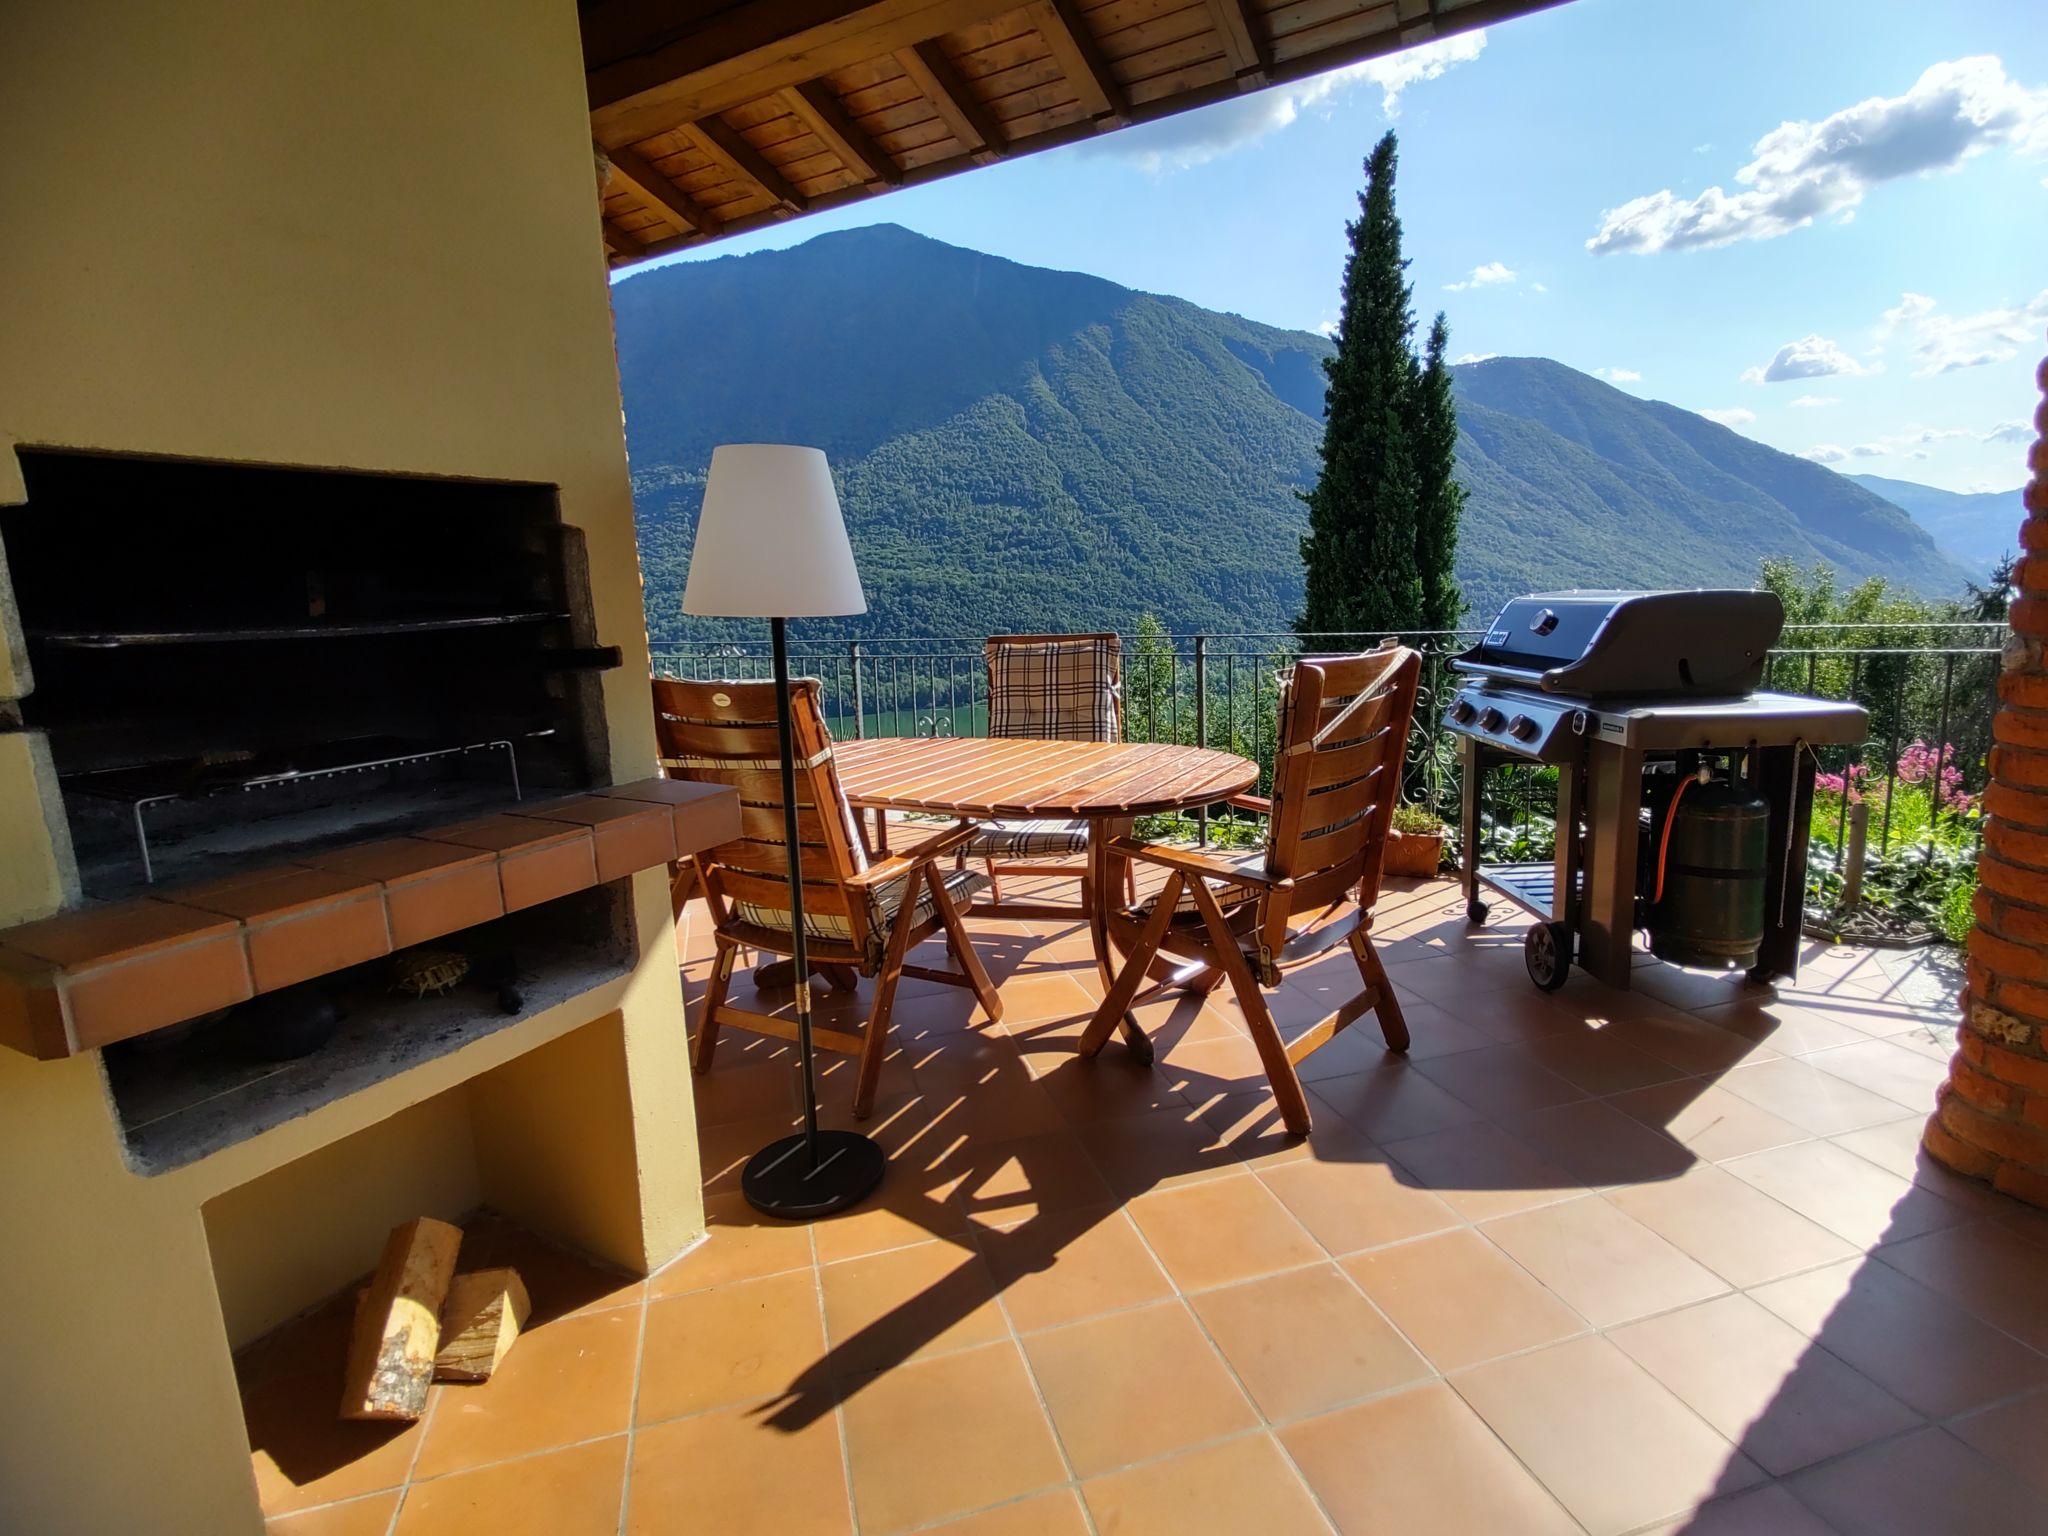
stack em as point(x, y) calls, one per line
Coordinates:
point(1413, 853)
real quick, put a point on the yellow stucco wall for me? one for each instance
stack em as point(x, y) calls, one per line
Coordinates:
point(357, 234)
point(419, 1162)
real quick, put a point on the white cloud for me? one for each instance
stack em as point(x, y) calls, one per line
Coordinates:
point(1618, 375)
point(1492, 275)
point(1474, 357)
point(1914, 441)
point(1395, 72)
point(1734, 416)
point(1538, 288)
point(1189, 139)
point(1814, 402)
point(1911, 307)
point(1802, 171)
point(1824, 453)
point(1328, 328)
point(1810, 357)
point(1943, 343)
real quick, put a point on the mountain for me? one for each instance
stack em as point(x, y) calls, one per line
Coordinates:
point(1025, 449)
point(1572, 482)
point(1977, 528)
point(1016, 448)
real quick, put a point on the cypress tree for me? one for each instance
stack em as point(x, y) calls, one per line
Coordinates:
point(1361, 545)
point(1439, 499)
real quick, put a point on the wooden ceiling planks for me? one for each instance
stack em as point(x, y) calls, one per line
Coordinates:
point(836, 131)
point(1073, 48)
point(725, 115)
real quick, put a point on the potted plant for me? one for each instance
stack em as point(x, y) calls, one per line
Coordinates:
point(1415, 844)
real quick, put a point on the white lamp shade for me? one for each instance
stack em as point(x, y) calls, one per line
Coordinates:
point(771, 542)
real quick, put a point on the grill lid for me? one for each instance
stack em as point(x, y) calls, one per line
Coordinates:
point(1593, 644)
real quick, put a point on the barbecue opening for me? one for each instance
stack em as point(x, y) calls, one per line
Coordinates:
point(237, 663)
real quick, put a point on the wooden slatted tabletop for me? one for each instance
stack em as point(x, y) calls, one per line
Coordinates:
point(979, 777)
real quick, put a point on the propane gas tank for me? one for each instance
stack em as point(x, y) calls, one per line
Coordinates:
point(1712, 914)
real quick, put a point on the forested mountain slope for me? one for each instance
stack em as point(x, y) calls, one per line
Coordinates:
point(1026, 449)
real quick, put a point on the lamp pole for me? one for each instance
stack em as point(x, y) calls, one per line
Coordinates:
point(817, 1172)
point(802, 959)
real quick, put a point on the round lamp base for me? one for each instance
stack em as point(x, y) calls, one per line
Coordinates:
point(781, 1180)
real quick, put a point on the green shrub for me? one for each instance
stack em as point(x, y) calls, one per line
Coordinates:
point(1414, 819)
point(1956, 914)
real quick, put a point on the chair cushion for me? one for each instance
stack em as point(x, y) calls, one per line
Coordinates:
point(884, 902)
point(1027, 839)
point(1054, 690)
point(1228, 893)
point(963, 885)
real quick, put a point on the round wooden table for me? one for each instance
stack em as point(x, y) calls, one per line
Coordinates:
point(1106, 784)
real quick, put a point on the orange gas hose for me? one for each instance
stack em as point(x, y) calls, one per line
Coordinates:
point(1664, 842)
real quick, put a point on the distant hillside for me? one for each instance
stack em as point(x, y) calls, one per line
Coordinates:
point(1020, 448)
point(1978, 529)
point(1015, 447)
point(1578, 480)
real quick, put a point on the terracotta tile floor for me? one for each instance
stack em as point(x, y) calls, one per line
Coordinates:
point(1657, 1261)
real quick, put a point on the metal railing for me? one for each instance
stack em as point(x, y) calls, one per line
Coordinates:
point(1925, 683)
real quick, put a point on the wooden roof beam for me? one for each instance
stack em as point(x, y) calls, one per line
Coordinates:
point(1243, 34)
point(662, 196)
point(962, 112)
point(755, 48)
point(731, 150)
point(620, 242)
point(822, 112)
point(1081, 60)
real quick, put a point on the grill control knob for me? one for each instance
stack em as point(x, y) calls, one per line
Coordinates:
point(1491, 720)
point(1462, 710)
point(1522, 728)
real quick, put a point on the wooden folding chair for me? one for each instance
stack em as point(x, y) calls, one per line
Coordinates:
point(859, 916)
point(1047, 688)
point(1342, 734)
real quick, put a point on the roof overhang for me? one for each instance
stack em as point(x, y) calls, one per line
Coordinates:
point(718, 116)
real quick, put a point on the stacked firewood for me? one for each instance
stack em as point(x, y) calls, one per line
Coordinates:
point(419, 1322)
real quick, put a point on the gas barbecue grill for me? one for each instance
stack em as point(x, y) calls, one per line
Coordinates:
point(1683, 793)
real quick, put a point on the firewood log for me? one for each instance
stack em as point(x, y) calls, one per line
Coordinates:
point(398, 1324)
point(479, 1322)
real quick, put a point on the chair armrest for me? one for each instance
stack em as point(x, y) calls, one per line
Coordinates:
point(1261, 804)
point(1197, 864)
point(900, 864)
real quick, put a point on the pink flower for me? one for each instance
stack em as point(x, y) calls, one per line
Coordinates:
point(1837, 783)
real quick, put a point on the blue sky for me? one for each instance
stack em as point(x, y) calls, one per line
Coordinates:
point(1869, 286)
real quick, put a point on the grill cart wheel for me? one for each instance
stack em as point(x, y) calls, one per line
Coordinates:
point(1546, 952)
point(1476, 911)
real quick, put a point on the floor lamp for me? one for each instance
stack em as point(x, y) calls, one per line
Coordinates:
point(771, 544)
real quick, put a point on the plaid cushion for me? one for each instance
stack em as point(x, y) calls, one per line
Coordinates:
point(1027, 839)
point(884, 902)
point(1053, 690)
point(1228, 893)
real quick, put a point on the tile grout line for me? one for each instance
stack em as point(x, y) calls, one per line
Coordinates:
point(1265, 1424)
point(412, 1463)
point(633, 1398)
point(838, 1397)
point(1059, 1441)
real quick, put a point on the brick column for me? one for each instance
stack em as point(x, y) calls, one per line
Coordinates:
point(1992, 1116)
